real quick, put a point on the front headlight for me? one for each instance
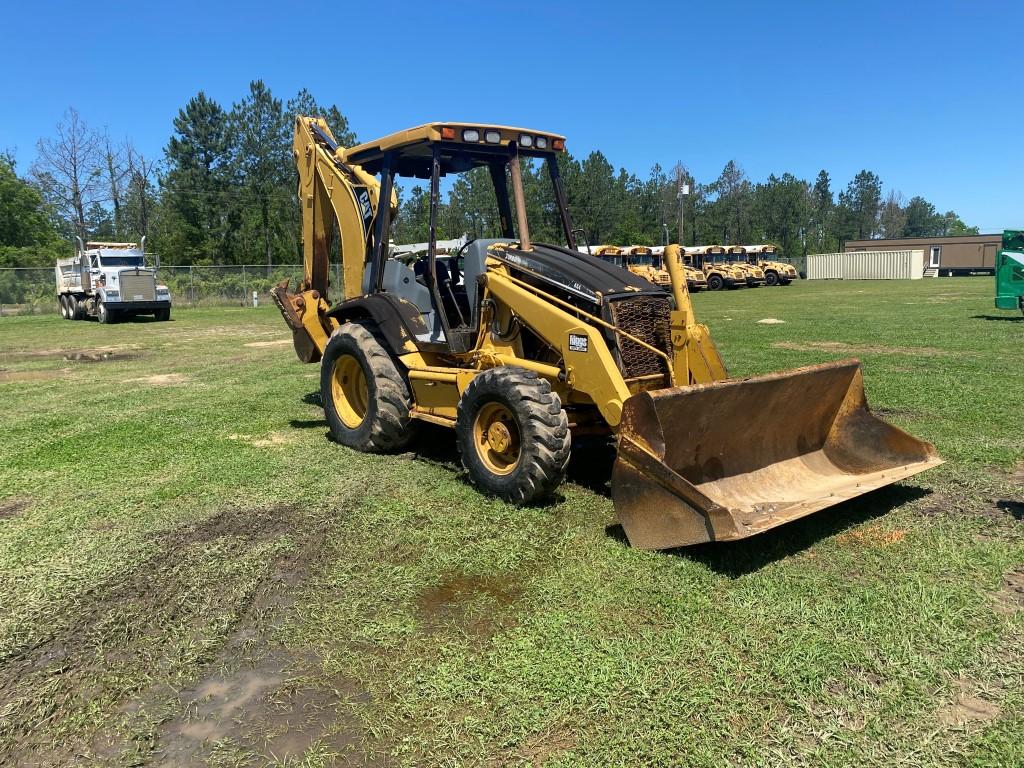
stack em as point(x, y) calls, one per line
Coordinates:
point(470, 135)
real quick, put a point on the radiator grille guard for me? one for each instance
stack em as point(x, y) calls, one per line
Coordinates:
point(647, 318)
point(138, 286)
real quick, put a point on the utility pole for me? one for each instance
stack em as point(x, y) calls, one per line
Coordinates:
point(684, 190)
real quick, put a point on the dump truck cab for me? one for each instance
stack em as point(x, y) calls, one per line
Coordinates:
point(766, 257)
point(1010, 271)
point(713, 261)
point(752, 273)
point(110, 281)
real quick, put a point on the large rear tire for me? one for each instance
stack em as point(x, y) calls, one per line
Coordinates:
point(366, 399)
point(65, 310)
point(716, 283)
point(513, 435)
point(162, 315)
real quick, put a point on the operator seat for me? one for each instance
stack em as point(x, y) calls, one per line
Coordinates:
point(475, 264)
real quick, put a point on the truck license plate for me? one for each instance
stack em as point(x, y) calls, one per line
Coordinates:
point(137, 297)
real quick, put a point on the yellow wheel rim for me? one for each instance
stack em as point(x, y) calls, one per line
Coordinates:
point(497, 439)
point(349, 391)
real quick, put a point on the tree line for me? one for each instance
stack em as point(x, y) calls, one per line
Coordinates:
point(223, 191)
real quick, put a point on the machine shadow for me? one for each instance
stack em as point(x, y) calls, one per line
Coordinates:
point(738, 558)
point(1013, 508)
point(1004, 318)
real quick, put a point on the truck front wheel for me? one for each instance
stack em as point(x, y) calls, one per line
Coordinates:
point(715, 283)
point(104, 315)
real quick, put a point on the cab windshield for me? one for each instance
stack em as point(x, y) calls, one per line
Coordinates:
point(127, 260)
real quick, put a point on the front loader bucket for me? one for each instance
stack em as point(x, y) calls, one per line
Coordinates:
point(727, 460)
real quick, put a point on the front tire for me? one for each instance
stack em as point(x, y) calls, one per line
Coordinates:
point(104, 315)
point(366, 399)
point(771, 278)
point(716, 283)
point(513, 435)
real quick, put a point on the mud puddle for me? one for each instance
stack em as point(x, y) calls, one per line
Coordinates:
point(476, 604)
point(98, 355)
point(276, 707)
point(12, 508)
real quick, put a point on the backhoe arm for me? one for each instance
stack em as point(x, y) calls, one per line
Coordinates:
point(336, 197)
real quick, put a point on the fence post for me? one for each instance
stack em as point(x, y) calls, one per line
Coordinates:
point(191, 287)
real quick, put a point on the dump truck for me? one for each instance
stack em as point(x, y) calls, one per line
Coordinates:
point(713, 261)
point(736, 256)
point(775, 272)
point(110, 281)
point(1010, 271)
point(527, 345)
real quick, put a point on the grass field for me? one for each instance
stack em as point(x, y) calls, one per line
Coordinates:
point(191, 571)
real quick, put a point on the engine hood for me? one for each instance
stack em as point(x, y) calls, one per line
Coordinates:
point(582, 275)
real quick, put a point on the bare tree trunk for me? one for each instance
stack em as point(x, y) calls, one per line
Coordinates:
point(68, 170)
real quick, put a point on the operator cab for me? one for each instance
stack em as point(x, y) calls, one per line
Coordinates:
point(444, 287)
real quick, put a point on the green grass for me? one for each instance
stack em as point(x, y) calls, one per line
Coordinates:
point(190, 570)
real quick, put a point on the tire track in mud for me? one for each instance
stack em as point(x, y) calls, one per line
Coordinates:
point(204, 599)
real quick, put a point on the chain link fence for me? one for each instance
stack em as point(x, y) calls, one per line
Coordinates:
point(32, 291)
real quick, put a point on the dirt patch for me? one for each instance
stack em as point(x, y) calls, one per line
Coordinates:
point(12, 508)
point(160, 380)
point(16, 376)
point(858, 349)
point(477, 604)
point(541, 747)
point(872, 536)
point(1017, 475)
point(97, 355)
point(272, 440)
point(275, 343)
point(119, 645)
point(967, 707)
point(1010, 597)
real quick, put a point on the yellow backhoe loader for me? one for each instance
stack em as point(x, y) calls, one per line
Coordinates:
point(519, 346)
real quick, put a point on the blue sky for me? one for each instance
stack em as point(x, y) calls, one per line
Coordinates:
point(927, 95)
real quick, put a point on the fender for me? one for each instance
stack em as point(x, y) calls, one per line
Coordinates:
point(399, 320)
